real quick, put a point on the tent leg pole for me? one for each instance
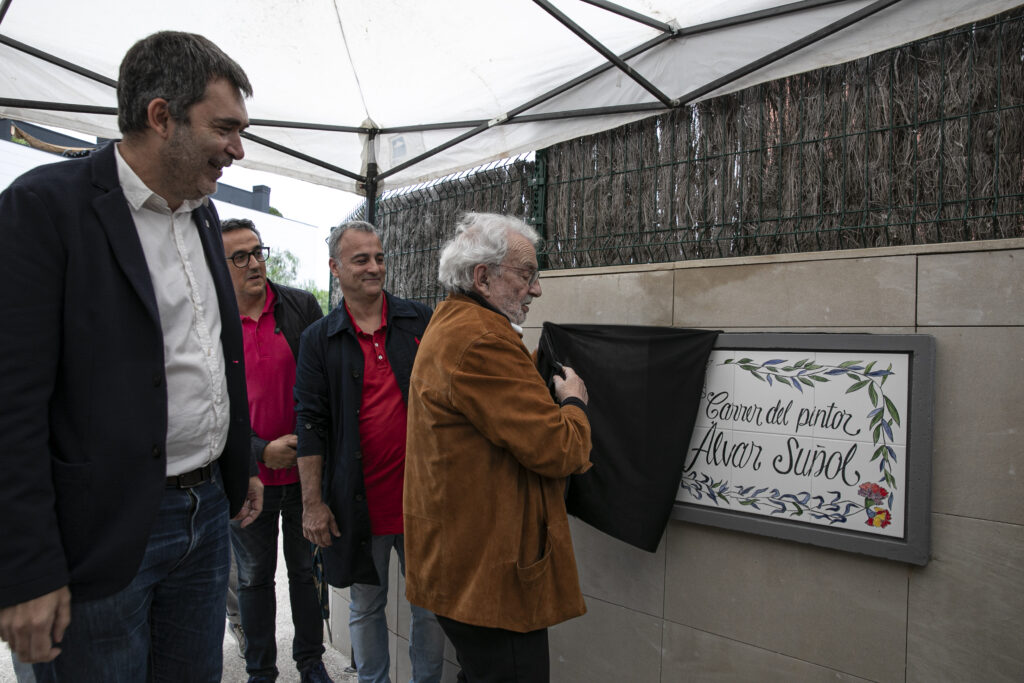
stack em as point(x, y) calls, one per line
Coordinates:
point(371, 194)
point(371, 177)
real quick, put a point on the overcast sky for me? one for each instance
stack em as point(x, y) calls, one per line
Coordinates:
point(320, 207)
point(298, 200)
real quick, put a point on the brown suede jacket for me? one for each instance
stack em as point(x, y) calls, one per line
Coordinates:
point(488, 450)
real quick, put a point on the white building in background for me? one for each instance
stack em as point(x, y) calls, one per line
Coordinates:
point(306, 242)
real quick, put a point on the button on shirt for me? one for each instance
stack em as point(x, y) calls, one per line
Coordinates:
point(197, 388)
point(382, 418)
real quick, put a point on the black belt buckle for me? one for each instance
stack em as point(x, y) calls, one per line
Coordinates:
point(190, 479)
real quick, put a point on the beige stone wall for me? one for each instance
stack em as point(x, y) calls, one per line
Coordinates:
point(719, 605)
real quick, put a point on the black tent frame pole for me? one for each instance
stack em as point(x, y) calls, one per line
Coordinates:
point(605, 52)
point(112, 111)
point(57, 106)
point(630, 14)
point(371, 183)
point(781, 10)
point(57, 61)
point(304, 157)
point(435, 151)
point(331, 128)
point(786, 50)
point(845, 22)
point(4, 6)
point(647, 108)
point(515, 115)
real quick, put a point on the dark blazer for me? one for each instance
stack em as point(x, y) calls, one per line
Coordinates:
point(83, 398)
point(328, 393)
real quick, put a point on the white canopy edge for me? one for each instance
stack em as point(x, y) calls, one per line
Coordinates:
point(401, 63)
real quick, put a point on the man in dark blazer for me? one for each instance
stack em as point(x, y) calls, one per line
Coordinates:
point(123, 403)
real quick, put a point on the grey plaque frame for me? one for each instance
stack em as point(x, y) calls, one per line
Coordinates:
point(915, 546)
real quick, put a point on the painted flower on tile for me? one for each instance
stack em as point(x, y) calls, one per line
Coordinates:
point(872, 492)
point(878, 517)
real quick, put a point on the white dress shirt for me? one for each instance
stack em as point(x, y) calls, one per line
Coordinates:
point(197, 388)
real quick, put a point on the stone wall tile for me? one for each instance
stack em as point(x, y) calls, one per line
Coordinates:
point(839, 610)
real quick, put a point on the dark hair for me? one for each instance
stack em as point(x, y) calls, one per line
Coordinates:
point(232, 224)
point(176, 67)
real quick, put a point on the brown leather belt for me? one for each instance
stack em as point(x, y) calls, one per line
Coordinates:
point(190, 479)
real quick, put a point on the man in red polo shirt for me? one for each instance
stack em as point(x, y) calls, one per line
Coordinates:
point(273, 317)
point(351, 388)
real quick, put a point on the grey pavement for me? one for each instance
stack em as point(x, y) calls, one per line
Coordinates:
point(234, 666)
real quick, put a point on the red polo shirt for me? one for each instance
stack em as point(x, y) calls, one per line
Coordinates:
point(382, 416)
point(269, 378)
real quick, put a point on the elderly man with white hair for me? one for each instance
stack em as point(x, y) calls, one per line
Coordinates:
point(487, 537)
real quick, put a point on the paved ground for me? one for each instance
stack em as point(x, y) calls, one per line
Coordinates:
point(234, 666)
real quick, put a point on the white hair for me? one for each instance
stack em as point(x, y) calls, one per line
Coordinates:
point(479, 238)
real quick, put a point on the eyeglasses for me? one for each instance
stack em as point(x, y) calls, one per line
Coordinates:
point(240, 259)
point(532, 275)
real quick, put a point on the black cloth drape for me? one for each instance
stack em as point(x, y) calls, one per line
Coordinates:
point(644, 385)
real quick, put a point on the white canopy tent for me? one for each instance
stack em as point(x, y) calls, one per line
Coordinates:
point(360, 95)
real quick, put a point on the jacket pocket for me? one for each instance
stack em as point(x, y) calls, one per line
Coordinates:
point(532, 572)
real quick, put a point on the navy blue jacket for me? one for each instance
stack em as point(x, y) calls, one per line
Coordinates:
point(328, 393)
point(83, 398)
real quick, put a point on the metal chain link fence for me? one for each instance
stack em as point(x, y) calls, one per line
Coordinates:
point(923, 143)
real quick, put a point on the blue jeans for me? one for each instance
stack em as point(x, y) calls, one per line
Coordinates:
point(256, 552)
point(368, 626)
point(22, 671)
point(168, 623)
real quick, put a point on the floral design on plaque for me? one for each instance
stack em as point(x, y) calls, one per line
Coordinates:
point(832, 489)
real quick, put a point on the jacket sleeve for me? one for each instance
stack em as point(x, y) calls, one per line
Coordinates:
point(311, 313)
point(32, 560)
point(496, 386)
point(311, 310)
point(312, 398)
point(257, 445)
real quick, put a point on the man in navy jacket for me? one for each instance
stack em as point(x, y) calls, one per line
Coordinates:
point(123, 403)
point(351, 390)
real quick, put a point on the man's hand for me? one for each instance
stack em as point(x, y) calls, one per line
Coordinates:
point(31, 628)
point(318, 524)
point(253, 505)
point(279, 454)
point(570, 386)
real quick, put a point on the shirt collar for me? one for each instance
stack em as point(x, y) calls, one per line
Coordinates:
point(268, 305)
point(138, 194)
point(383, 318)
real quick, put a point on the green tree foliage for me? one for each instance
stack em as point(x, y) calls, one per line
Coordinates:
point(282, 268)
point(322, 295)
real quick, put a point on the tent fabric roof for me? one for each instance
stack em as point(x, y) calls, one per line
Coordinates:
point(394, 64)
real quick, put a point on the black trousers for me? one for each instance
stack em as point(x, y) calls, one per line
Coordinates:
point(494, 655)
